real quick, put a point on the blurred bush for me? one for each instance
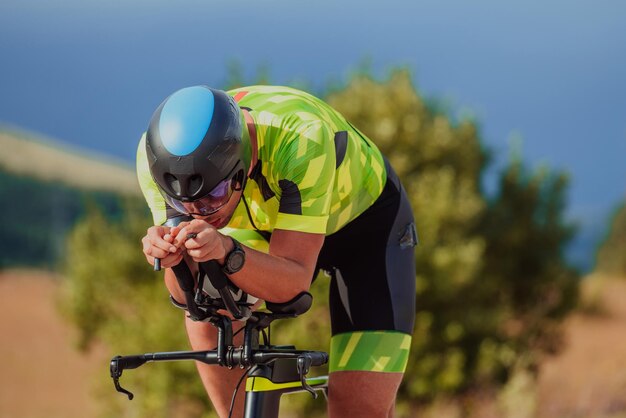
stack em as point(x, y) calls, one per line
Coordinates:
point(611, 257)
point(492, 283)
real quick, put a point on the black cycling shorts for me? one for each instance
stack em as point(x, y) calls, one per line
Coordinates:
point(371, 262)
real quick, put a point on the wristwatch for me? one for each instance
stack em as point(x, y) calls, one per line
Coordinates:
point(234, 260)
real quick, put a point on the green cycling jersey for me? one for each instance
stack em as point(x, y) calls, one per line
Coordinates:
point(315, 171)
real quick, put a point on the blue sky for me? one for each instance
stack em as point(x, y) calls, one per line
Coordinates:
point(553, 73)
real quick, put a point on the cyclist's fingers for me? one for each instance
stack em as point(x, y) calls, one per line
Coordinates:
point(150, 260)
point(191, 230)
point(185, 234)
point(172, 259)
point(202, 253)
point(198, 256)
point(156, 237)
point(208, 251)
point(159, 253)
point(207, 237)
point(179, 238)
point(194, 240)
point(174, 231)
point(151, 251)
point(146, 246)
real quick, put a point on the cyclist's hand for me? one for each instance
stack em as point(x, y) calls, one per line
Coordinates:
point(158, 243)
point(207, 244)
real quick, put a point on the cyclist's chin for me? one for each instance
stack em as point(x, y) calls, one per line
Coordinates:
point(217, 222)
point(220, 223)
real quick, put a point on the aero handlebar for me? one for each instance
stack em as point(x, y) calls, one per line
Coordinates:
point(235, 357)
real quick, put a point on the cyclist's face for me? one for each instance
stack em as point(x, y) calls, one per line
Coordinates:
point(221, 217)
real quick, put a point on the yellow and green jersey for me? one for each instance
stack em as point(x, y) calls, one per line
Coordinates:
point(315, 171)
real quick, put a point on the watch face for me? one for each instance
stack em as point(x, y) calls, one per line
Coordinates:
point(235, 261)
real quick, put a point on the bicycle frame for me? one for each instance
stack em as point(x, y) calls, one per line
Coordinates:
point(264, 390)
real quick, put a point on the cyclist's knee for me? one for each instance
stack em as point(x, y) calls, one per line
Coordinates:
point(202, 336)
point(362, 394)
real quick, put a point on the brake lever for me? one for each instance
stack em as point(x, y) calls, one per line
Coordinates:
point(116, 373)
point(304, 364)
point(119, 388)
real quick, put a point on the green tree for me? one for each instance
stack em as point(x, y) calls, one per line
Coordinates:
point(525, 269)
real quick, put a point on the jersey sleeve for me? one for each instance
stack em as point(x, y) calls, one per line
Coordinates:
point(150, 191)
point(305, 170)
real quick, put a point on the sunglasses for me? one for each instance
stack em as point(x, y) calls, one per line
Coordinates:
point(210, 203)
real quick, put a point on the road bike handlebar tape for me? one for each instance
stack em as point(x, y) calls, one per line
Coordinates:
point(318, 358)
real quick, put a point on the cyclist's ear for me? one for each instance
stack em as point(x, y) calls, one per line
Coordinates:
point(239, 181)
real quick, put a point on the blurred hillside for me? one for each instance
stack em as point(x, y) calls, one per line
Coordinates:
point(46, 188)
point(31, 155)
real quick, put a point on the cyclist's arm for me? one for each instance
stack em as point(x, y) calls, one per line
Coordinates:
point(283, 273)
point(302, 175)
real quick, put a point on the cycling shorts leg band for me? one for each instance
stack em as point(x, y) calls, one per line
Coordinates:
point(370, 351)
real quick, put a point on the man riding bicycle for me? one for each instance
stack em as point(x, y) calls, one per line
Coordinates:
point(284, 164)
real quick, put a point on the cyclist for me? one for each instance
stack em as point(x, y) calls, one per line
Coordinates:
point(285, 165)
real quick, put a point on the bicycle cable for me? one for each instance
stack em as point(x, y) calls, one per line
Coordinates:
point(232, 402)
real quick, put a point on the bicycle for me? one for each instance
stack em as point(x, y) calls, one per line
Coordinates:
point(271, 371)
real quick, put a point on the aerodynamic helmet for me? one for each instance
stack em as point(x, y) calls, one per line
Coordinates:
point(196, 149)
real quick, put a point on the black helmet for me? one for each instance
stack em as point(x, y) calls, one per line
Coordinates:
point(196, 148)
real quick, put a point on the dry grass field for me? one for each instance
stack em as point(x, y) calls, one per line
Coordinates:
point(35, 156)
point(588, 379)
point(43, 376)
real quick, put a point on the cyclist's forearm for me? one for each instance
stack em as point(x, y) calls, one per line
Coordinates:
point(277, 277)
point(271, 277)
